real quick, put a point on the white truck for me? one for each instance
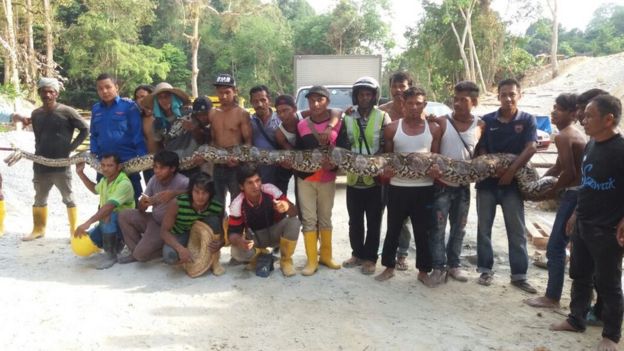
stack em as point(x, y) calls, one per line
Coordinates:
point(336, 72)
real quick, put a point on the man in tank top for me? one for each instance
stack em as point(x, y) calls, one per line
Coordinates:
point(460, 133)
point(410, 197)
point(399, 82)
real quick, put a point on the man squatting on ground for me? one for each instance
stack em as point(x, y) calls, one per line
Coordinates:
point(116, 194)
point(261, 216)
point(570, 144)
point(507, 130)
point(410, 197)
point(364, 128)
point(198, 203)
point(141, 229)
point(53, 126)
point(598, 241)
point(460, 133)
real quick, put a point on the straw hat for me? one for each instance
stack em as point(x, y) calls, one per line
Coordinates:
point(201, 235)
point(164, 87)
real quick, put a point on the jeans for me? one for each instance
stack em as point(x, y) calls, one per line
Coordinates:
point(513, 212)
point(556, 249)
point(452, 203)
point(169, 254)
point(596, 258)
point(364, 202)
point(105, 228)
point(415, 203)
point(225, 180)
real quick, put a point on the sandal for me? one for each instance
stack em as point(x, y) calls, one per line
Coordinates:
point(352, 262)
point(368, 267)
point(486, 279)
point(401, 263)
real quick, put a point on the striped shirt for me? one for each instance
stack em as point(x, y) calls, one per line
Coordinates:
point(187, 215)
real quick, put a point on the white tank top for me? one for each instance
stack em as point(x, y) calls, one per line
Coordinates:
point(405, 144)
point(453, 147)
point(290, 137)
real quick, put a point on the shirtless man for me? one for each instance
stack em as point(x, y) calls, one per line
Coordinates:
point(229, 126)
point(570, 144)
point(410, 197)
point(399, 83)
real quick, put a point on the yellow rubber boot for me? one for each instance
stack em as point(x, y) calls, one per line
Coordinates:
point(287, 249)
point(72, 216)
point(310, 239)
point(2, 215)
point(326, 250)
point(40, 219)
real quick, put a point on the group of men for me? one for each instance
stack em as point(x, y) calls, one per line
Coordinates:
point(261, 217)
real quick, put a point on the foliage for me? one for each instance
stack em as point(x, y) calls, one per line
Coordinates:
point(178, 75)
point(604, 35)
point(143, 41)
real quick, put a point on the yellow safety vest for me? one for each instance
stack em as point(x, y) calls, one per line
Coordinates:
point(372, 134)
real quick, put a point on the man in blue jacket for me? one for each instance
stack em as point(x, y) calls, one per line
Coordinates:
point(116, 127)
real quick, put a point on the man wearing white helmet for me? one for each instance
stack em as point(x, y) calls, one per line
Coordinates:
point(364, 128)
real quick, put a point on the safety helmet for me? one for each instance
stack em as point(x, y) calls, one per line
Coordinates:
point(83, 246)
point(368, 83)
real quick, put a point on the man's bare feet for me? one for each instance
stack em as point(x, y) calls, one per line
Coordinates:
point(542, 301)
point(606, 345)
point(563, 326)
point(424, 278)
point(385, 275)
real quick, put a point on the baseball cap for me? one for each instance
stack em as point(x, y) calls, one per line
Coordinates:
point(225, 80)
point(319, 90)
point(202, 104)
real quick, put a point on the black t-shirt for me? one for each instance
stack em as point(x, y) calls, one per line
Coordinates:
point(601, 197)
point(54, 131)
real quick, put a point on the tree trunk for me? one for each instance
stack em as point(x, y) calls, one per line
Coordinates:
point(554, 41)
point(476, 57)
point(461, 43)
point(32, 58)
point(194, 39)
point(49, 39)
point(12, 43)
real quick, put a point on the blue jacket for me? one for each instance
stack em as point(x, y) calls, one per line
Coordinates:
point(117, 129)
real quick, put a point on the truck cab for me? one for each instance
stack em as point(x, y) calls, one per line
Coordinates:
point(340, 97)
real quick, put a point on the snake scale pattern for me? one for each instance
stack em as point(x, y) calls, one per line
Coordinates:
point(412, 165)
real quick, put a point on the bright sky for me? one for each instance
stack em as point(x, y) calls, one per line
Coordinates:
point(572, 13)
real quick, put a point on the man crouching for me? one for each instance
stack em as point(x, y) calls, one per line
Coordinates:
point(197, 204)
point(269, 220)
point(116, 194)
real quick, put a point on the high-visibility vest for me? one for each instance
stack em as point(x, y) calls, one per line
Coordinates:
point(372, 133)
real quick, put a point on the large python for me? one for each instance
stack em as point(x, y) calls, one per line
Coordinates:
point(412, 165)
